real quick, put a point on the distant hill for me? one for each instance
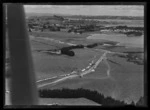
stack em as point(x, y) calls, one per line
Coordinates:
point(38, 14)
point(44, 14)
point(87, 17)
point(108, 17)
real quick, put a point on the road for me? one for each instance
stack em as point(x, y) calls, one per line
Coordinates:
point(89, 69)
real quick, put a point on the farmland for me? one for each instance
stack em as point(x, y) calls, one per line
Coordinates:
point(121, 77)
point(116, 70)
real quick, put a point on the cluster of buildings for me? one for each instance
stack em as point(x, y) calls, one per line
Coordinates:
point(58, 23)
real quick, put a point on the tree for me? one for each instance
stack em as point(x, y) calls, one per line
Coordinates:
point(80, 92)
point(141, 102)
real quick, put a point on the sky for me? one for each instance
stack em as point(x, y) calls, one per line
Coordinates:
point(113, 10)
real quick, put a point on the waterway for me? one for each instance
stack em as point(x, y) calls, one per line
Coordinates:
point(121, 38)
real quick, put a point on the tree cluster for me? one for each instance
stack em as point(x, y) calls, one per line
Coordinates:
point(133, 33)
point(130, 28)
point(68, 50)
point(81, 93)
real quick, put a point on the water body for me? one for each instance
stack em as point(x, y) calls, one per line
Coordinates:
point(121, 38)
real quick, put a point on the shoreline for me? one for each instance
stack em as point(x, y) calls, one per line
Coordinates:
point(95, 36)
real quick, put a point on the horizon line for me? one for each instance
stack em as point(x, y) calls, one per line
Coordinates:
point(81, 15)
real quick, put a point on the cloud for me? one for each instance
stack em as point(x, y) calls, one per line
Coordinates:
point(129, 7)
point(126, 10)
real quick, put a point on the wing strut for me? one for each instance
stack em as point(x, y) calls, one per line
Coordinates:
point(23, 83)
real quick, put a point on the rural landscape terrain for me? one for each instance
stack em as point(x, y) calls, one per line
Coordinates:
point(87, 60)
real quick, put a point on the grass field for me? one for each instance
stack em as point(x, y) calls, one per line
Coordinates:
point(47, 65)
point(125, 81)
point(68, 102)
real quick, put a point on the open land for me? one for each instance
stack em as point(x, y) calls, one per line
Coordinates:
point(113, 70)
point(121, 78)
point(68, 102)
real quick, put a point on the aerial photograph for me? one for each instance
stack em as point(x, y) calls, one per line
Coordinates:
point(85, 55)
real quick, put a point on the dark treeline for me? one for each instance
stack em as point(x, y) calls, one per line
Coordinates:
point(102, 43)
point(81, 93)
point(142, 101)
point(67, 50)
point(131, 28)
point(133, 33)
point(92, 45)
point(72, 47)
